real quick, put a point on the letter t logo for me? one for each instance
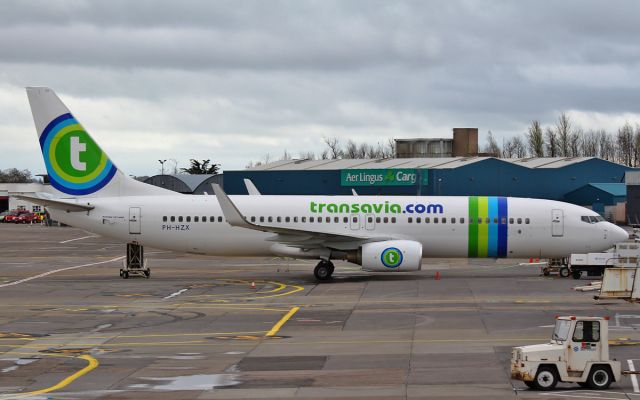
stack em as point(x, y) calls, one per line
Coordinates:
point(76, 149)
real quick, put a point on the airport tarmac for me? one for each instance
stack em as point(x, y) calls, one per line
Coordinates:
point(70, 328)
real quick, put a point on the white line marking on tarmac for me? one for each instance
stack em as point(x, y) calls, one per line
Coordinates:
point(179, 292)
point(80, 238)
point(634, 379)
point(58, 270)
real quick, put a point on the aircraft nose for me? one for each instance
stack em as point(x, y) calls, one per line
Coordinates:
point(618, 234)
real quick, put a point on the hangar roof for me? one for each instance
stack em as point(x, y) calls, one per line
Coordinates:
point(430, 163)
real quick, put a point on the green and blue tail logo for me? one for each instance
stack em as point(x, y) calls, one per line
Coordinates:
point(391, 257)
point(75, 163)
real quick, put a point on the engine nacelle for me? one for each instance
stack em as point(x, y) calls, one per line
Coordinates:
point(389, 256)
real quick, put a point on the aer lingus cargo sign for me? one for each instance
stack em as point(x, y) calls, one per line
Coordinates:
point(381, 177)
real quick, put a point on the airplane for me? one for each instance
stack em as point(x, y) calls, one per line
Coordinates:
point(379, 233)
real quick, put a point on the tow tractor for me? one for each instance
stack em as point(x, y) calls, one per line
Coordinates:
point(578, 352)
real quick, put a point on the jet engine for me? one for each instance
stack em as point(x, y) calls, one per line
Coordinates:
point(388, 256)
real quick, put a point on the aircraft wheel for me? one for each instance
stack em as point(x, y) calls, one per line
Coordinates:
point(564, 272)
point(147, 273)
point(323, 270)
point(121, 271)
point(576, 274)
point(125, 274)
point(546, 272)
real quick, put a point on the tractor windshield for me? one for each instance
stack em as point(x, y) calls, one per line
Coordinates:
point(561, 330)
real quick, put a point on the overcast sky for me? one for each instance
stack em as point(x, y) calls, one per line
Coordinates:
point(235, 80)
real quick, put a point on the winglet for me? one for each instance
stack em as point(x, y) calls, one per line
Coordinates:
point(251, 188)
point(353, 191)
point(230, 211)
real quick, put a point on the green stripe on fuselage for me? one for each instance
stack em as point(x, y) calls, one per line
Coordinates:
point(483, 228)
point(473, 226)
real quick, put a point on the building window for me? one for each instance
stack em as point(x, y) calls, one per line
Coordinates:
point(37, 209)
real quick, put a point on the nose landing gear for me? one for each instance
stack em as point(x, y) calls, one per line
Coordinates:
point(323, 270)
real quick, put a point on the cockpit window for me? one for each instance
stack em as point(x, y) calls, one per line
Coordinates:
point(590, 219)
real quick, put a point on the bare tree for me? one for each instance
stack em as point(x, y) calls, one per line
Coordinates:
point(552, 142)
point(333, 143)
point(15, 175)
point(574, 142)
point(625, 144)
point(351, 150)
point(535, 139)
point(307, 155)
point(606, 146)
point(563, 133)
point(589, 144)
point(636, 146)
point(492, 148)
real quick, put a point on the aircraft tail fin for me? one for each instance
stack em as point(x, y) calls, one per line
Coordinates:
point(76, 165)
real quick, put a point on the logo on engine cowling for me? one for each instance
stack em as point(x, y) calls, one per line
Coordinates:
point(391, 257)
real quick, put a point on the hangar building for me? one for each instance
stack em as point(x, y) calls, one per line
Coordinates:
point(580, 180)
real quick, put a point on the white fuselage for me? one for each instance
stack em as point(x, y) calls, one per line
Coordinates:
point(530, 227)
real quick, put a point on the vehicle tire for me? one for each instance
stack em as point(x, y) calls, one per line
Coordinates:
point(121, 271)
point(583, 384)
point(600, 377)
point(530, 384)
point(322, 271)
point(125, 274)
point(564, 272)
point(147, 273)
point(546, 378)
point(545, 271)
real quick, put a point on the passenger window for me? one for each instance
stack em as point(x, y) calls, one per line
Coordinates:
point(327, 219)
point(355, 219)
point(487, 220)
point(526, 221)
point(204, 219)
point(295, 219)
point(173, 219)
point(418, 220)
point(253, 219)
point(180, 218)
point(311, 219)
point(427, 220)
point(370, 219)
point(435, 220)
point(319, 220)
point(189, 219)
point(409, 220)
point(393, 220)
point(503, 220)
point(336, 220)
point(471, 220)
point(219, 219)
point(480, 220)
point(196, 219)
point(287, 219)
point(495, 220)
point(164, 219)
point(261, 219)
point(385, 220)
point(453, 220)
point(270, 219)
point(345, 220)
point(279, 219)
point(511, 221)
point(303, 219)
point(444, 220)
point(519, 221)
point(378, 220)
point(212, 219)
point(462, 220)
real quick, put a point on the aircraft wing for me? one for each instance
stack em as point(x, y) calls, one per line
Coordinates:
point(58, 204)
point(301, 238)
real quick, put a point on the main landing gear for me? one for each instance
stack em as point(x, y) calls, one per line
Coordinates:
point(323, 270)
point(135, 263)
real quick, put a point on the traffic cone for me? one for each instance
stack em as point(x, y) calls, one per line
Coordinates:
point(253, 285)
point(531, 260)
point(437, 275)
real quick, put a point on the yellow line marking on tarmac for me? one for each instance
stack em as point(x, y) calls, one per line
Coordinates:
point(115, 336)
point(93, 364)
point(282, 321)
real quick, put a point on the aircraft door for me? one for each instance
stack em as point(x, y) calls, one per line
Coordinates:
point(134, 220)
point(355, 222)
point(557, 223)
point(370, 222)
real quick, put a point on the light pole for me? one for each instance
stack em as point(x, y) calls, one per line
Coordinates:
point(162, 165)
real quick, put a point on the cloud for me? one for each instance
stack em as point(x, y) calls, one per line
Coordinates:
point(232, 81)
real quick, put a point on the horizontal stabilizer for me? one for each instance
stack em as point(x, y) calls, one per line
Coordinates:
point(251, 188)
point(57, 204)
